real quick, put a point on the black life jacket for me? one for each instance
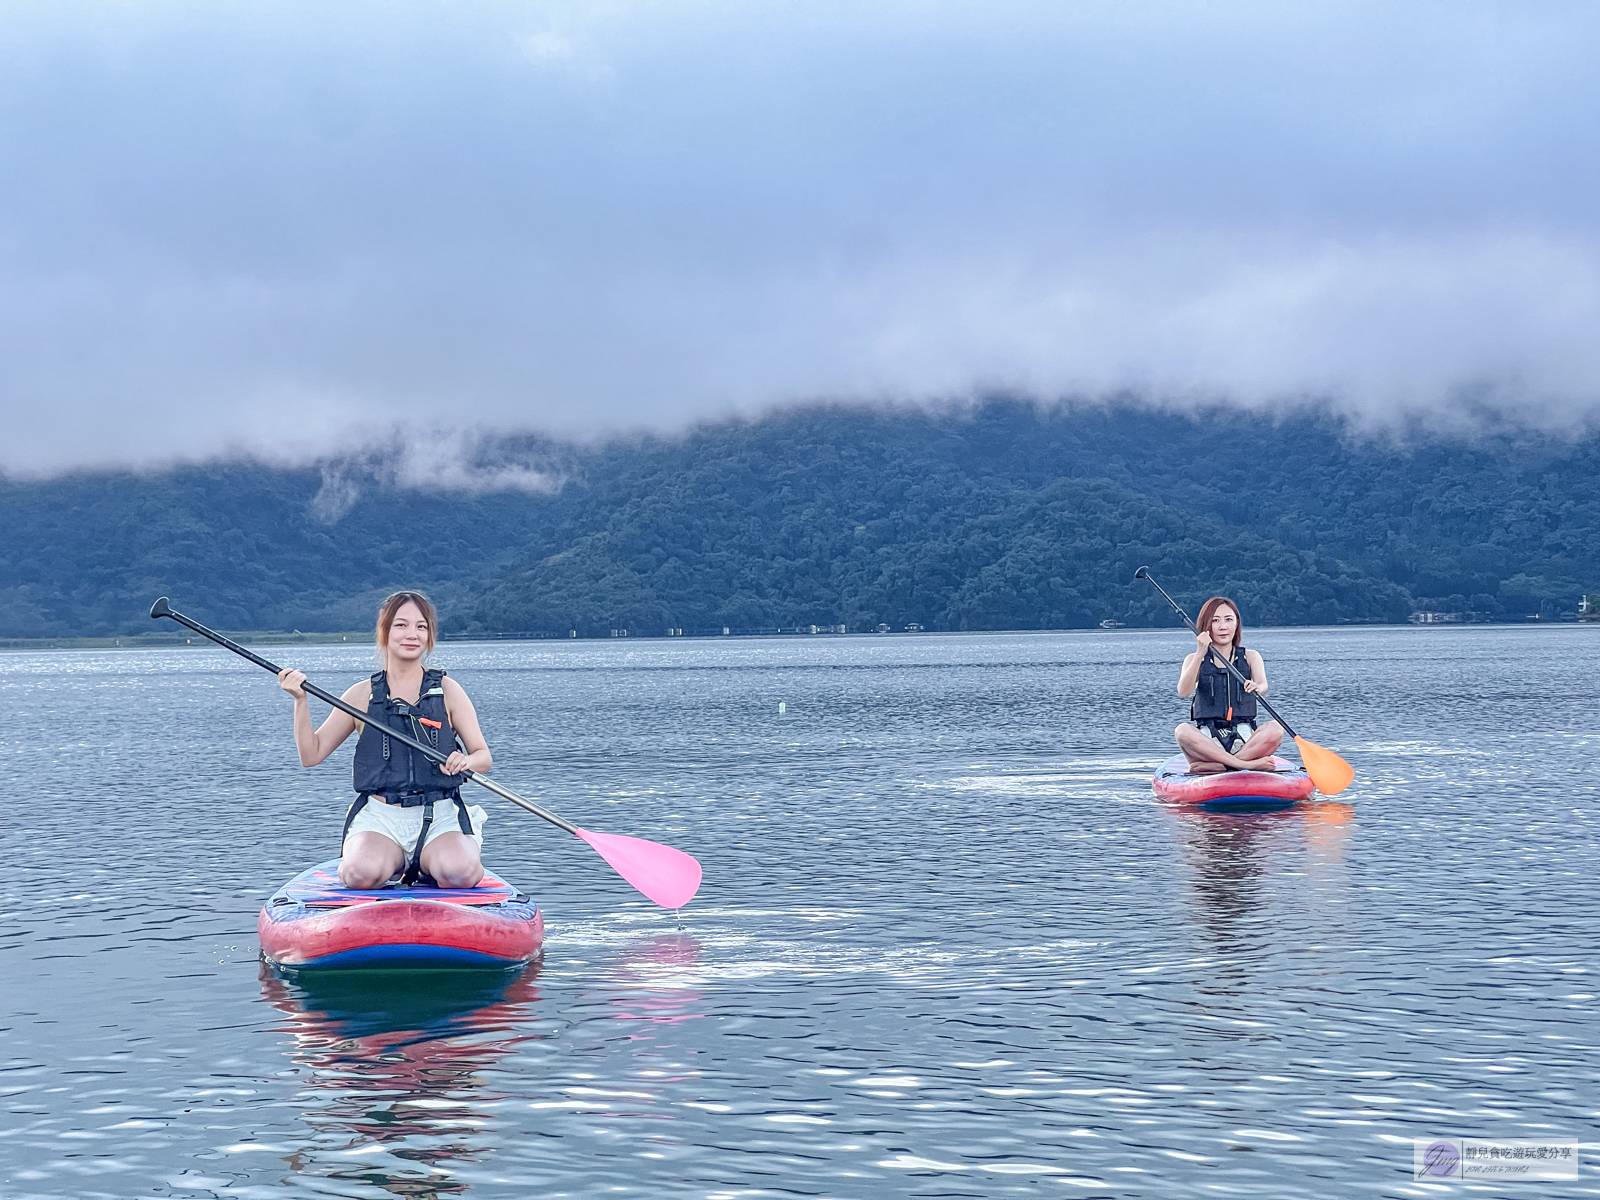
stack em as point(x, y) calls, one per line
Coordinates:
point(1218, 696)
point(391, 769)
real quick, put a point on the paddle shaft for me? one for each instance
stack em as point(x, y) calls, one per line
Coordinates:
point(1227, 662)
point(162, 609)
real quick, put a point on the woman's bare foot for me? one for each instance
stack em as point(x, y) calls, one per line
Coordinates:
point(1206, 768)
point(1256, 764)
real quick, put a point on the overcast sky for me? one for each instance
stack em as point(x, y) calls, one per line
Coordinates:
point(276, 225)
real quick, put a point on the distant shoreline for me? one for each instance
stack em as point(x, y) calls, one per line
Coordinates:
point(168, 640)
point(365, 637)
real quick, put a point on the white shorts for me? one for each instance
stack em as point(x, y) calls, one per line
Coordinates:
point(401, 825)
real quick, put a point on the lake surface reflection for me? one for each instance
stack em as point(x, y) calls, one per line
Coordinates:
point(392, 1066)
point(949, 944)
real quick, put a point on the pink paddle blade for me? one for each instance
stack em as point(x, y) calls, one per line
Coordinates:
point(667, 876)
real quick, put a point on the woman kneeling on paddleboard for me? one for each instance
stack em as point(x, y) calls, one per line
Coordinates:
point(393, 828)
point(1222, 732)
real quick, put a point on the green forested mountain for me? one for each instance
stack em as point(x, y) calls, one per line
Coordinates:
point(1003, 516)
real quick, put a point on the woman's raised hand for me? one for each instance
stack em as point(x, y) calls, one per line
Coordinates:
point(1202, 643)
point(293, 681)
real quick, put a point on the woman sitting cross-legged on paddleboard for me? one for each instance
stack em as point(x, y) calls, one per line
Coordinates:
point(408, 817)
point(1221, 733)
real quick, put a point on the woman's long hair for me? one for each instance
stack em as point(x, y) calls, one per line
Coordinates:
point(1203, 625)
point(386, 612)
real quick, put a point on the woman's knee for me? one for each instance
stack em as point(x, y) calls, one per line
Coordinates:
point(457, 873)
point(369, 861)
point(460, 877)
point(361, 875)
point(453, 861)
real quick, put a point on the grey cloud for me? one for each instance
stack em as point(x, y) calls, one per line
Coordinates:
point(282, 227)
point(436, 459)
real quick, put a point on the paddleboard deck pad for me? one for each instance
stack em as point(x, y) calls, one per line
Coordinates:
point(1288, 784)
point(315, 923)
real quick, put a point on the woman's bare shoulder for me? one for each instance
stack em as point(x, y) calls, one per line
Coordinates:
point(359, 694)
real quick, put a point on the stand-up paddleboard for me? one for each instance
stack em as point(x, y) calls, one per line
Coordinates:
point(1285, 785)
point(315, 923)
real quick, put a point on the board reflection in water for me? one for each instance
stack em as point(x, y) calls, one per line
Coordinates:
point(394, 1065)
point(1257, 876)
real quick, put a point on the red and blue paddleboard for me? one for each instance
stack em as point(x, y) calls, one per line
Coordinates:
point(1285, 785)
point(315, 923)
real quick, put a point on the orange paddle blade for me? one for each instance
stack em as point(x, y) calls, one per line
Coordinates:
point(1328, 771)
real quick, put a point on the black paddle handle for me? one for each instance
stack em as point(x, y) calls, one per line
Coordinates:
point(163, 609)
point(1144, 573)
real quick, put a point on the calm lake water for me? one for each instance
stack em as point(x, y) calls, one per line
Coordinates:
point(949, 945)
